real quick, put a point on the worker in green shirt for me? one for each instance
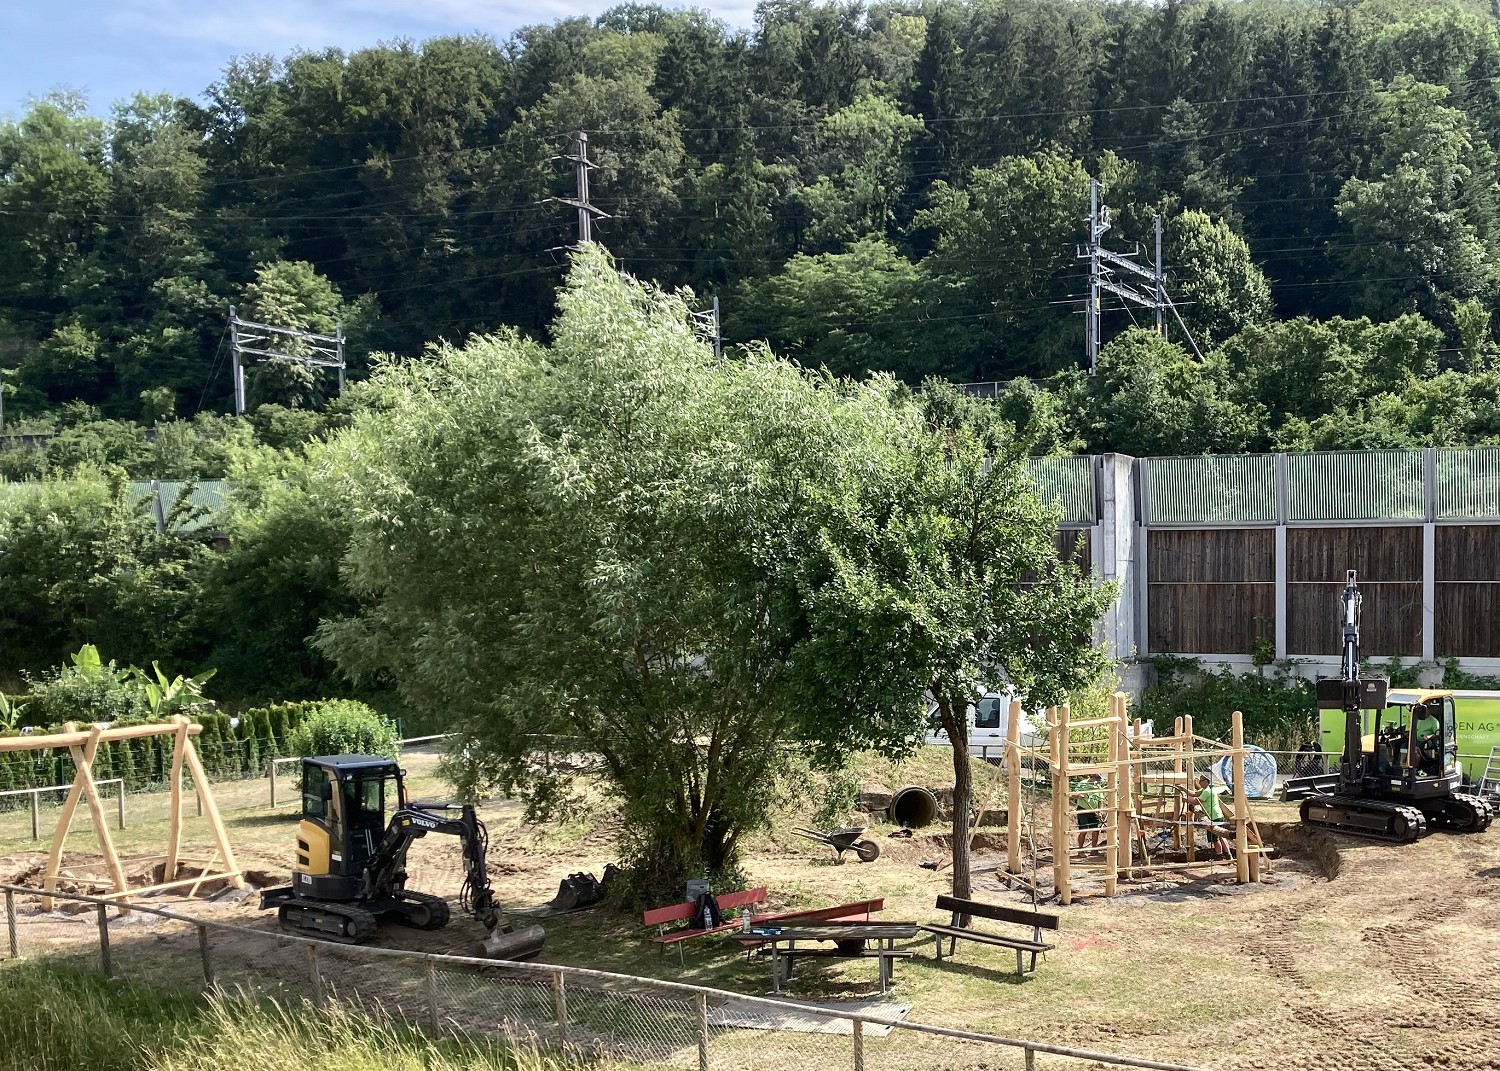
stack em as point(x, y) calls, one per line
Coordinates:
point(1427, 748)
point(1213, 815)
point(1089, 794)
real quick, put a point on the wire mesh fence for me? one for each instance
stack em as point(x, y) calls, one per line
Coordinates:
point(592, 1015)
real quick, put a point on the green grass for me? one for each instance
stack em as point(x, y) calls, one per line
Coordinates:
point(57, 1017)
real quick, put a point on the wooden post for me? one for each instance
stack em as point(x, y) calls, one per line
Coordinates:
point(174, 828)
point(1192, 783)
point(203, 954)
point(1065, 806)
point(36, 815)
point(316, 974)
point(60, 834)
point(1125, 787)
point(1013, 816)
point(859, 1045)
point(1241, 800)
point(1059, 796)
point(83, 759)
point(271, 772)
point(560, 1006)
point(1030, 1060)
point(120, 801)
point(12, 937)
point(1116, 730)
point(207, 802)
point(104, 960)
point(703, 1032)
point(1176, 780)
point(434, 1021)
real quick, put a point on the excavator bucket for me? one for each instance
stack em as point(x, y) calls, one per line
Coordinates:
point(506, 942)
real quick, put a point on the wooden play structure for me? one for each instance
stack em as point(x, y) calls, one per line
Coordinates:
point(1141, 787)
point(83, 745)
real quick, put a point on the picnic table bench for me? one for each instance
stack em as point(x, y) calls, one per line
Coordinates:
point(729, 904)
point(1037, 920)
point(856, 911)
point(850, 941)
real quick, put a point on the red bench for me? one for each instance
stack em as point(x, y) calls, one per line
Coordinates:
point(729, 904)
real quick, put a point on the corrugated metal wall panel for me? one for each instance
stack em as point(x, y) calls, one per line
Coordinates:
point(1223, 489)
point(1467, 484)
point(1368, 485)
point(1067, 482)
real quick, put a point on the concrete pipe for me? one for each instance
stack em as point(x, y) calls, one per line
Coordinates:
point(913, 807)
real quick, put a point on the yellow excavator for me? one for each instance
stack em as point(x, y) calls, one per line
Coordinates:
point(350, 869)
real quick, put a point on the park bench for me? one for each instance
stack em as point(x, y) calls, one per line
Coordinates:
point(1038, 921)
point(663, 917)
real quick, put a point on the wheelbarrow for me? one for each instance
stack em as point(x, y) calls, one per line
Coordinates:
point(843, 840)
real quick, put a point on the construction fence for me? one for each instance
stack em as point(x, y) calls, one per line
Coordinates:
point(595, 1016)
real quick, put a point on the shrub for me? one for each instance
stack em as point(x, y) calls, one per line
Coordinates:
point(343, 727)
point(1277, 708)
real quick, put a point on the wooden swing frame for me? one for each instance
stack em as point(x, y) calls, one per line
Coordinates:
point(83, 746)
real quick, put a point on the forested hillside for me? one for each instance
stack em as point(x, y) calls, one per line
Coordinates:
point(901, 186)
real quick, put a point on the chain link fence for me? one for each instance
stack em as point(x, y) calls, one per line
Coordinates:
point(589, 1015)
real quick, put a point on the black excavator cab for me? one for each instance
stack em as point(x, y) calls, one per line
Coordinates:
point(346, 802)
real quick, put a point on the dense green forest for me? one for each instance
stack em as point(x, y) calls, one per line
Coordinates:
point(898, 186)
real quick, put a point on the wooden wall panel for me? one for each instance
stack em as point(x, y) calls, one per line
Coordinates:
point(1390, 618)
point(1466, 552)
point(1327, 554)
point(1212, 556)
point(1467, 620)
point(1209, 618)
point(1073, 545)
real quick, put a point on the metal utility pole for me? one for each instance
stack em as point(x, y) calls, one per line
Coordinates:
point(266, 342)
point(587, 213)
point(718, 331)
point(1161, 282)
point(1104, 266)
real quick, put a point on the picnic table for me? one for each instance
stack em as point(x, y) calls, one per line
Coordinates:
point(851, 940)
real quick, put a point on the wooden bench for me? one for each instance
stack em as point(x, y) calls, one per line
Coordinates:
point(955, 933)
point(729, 904)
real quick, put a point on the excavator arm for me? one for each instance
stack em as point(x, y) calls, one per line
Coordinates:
point(386, 873)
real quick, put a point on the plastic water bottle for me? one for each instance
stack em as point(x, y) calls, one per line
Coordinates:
point(744, 920)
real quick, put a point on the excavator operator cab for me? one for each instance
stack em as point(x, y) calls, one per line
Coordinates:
point(346, 802)
point(1415, 736)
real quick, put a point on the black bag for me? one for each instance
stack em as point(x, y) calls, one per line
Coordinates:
point(708, 914)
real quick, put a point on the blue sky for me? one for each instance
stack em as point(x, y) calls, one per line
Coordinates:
point(110, 49)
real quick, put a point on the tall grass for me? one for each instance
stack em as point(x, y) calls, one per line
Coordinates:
point(55, 1017)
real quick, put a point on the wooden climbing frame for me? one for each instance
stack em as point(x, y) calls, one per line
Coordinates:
point(83, 746)
point(1145, 783)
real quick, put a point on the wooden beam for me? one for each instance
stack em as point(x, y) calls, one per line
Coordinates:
point(1065, 886)
point(1013, 789)
point(1241, 800)
point(211, 812)
point(174, 828)
point(83, 758)
point(60, 833)
point(75, 737)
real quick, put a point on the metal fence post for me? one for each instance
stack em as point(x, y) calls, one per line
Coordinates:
point(560, 1005)
point(859, 1045)
point(208, 964)
point(104, 960)
point(36, 815)
point(702, 1032)
point(317, 975)
point(120, 801)
point(433, 1020)
point(10, 925)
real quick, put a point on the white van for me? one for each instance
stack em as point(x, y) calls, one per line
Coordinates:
point(988, 721)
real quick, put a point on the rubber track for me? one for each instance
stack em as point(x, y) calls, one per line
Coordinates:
point(1416, 822)
point(436, 906)
point(1483, 809)
point(365, 924)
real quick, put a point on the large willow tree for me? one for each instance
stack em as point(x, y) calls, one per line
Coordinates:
point(621, 540)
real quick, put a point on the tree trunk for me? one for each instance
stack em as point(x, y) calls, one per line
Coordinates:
point(956, 725)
